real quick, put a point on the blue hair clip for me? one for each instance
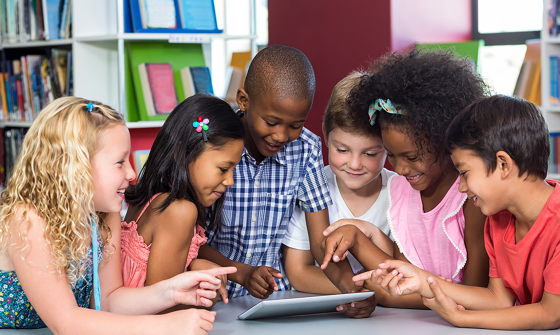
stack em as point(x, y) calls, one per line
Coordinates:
point(90, 107)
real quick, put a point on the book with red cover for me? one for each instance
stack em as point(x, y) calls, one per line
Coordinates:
point(162, 86)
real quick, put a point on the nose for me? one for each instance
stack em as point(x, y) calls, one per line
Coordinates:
point(229, 180)
point(130, 174)
point(463, 185)
point(355, 162)
point(401, 168)
point(281, 135)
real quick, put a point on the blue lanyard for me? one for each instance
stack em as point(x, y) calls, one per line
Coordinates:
point(95, 246)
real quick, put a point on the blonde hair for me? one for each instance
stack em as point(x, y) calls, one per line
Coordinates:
point(338, 115)
point(53, 175)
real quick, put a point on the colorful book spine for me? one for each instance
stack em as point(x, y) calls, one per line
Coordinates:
point(554, 67)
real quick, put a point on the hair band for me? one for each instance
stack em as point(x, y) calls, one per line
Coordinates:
point(201, 126)
point(90, 107)
point(384, 105)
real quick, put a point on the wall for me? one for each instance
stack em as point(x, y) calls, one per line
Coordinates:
point(336, 38)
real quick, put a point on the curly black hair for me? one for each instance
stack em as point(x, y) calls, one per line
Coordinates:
point(433, 87)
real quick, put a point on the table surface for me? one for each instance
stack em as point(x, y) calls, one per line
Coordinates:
point(382, 321)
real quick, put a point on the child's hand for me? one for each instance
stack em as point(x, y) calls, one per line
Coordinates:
point(359, 309)
point(197, 287)
point(203, 264)
point(369, 229)
point(396, 277)
point(442, 304)
point(188, 321)
point(336, 245)
point(259, 281)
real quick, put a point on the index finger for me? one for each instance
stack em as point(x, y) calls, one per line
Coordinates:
point(329, 252)
point(220, 271)
point(271, 282)
point(363, 276)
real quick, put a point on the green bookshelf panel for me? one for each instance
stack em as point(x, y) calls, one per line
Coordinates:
point(179, 55)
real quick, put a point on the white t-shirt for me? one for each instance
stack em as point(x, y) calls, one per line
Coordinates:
point(297, 237)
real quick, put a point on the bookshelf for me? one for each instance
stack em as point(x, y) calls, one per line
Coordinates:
point(102, 37)
point(550, 46)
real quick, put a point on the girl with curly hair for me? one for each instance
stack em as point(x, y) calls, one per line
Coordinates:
point(413, 97)
point(60, 228)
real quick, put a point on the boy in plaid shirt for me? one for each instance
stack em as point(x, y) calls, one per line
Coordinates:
point(281, 167)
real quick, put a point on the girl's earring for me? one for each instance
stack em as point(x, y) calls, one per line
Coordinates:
point(240, 113)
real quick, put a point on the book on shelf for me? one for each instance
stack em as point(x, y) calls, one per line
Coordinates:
point(528, 85)
point(30, 20)
point(197, 14)
point(234, 79)
point(157, 13)
point(13, 140)
point(554, 80)
point(33, 81)
point(158, 88)
point(200, 79)
point(553, 18)
point(140, 158)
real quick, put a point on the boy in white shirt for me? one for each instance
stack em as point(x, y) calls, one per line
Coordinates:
point(357, 185)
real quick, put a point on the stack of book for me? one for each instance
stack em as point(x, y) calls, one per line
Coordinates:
point(32, 82)
point(30, 20)
point(13, 139)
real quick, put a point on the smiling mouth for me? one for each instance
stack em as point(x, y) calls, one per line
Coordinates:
point(414, 177)
point(121, 191)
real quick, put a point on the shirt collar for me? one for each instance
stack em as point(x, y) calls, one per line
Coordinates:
point(279, 156)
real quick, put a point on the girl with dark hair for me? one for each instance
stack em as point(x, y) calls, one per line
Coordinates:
point(180, 191)
point(413, 97)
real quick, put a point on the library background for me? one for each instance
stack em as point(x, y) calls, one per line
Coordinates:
point(144, 56)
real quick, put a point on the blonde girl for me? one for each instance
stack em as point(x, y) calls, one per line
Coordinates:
point(66, 191)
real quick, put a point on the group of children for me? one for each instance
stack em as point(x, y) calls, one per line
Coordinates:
point(233, 203)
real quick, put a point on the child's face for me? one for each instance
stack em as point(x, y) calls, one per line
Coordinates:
point(112, 171)
point(212, 172)
point(421, 169)
point(355, 159)
point(479, 185)
point(274, 123)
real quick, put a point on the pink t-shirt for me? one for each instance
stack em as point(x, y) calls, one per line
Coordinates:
point(135, 252)
point(434, 240)
point(533, 265)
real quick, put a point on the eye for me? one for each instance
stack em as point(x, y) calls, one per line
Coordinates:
point(224, 170)
point(412, 159)
point(342, 151)
point(270, 124)
point(390, 154)
point(296, 127)
point(371, 155)
point(462, 174)
point(120, 162)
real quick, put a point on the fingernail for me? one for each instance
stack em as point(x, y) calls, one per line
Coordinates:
point(394, 272)
point(353, 305)
point(430, 279)
point(339, 308)
point(336, 258)
point(380, 264)
point(226, 301)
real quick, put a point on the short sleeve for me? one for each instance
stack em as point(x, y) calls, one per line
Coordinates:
point(313, 195)
point(490, 250)
point(296, 235)
point(551, 272)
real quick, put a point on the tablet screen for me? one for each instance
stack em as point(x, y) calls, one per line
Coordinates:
point(301, 305)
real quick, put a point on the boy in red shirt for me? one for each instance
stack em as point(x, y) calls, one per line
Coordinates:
point(500, 146)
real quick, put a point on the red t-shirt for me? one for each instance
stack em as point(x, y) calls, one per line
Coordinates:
point(533, 265)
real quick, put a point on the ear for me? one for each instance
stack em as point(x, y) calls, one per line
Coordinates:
point(505, 165)
point(242, 99)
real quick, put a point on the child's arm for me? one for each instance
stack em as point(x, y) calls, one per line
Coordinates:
point(542, 315)
point(258, 280)
point(303, 274)
point(50, 294)
point(476, 268)
point(375, 234)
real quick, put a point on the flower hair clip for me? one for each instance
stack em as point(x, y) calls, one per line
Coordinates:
point(384, 105)
point(201, 126)
point(89, 107)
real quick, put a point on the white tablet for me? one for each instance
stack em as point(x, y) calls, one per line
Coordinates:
point(302, 305)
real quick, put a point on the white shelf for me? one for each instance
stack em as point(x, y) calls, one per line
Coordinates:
point(145, 124)
point(187, 38)
point(17, 124)
point(36, 44)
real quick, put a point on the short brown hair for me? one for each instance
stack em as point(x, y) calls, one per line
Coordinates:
point(338, 115)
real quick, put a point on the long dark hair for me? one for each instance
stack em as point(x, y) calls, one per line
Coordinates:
point(177, 144)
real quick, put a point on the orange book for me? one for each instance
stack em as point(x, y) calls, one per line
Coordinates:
point(3, 94)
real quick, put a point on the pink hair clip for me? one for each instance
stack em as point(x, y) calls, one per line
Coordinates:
point(201, 126)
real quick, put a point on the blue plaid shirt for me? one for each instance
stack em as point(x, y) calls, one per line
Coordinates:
point(258, 207)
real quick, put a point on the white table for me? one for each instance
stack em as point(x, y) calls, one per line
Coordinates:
point(386, 321)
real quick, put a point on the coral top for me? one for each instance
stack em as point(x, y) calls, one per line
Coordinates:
point(135, 252)
point(433, 241)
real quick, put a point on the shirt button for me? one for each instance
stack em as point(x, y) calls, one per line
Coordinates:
point(237, 286)
point(257, 183)
point(249, 254)
point(254, 218)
